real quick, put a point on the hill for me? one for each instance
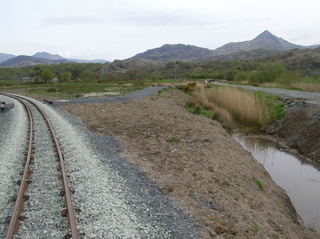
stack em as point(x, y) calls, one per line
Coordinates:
point(101, 61)
point(56, 57)
point(43, 58)
point(174, 52)
point(298, 59)
point(21, 61)
point(48, 56)
point(4, 57)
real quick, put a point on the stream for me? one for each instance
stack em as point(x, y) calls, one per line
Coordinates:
point(299, 178)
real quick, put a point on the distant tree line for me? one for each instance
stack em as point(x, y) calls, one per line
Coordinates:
point(252, 71)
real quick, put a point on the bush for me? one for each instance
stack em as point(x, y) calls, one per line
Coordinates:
point(268, 72)
point(241, 76)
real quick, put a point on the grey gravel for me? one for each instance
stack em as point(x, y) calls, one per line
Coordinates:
point(311, 97)
point(13, 135)
point(44, 207)
point(115, 198)
point(132, 95)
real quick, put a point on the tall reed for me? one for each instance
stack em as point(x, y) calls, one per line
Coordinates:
point(233, 104)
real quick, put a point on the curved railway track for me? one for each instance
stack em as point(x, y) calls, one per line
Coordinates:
point(69, 211)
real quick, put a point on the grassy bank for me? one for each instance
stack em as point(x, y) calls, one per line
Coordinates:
point(304, 84)
point(72, 89)
point(233, 106)
point(277, 75)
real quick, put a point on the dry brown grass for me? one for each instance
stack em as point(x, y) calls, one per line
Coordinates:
point(298, 85)
point(233, 104)
point(306, 86)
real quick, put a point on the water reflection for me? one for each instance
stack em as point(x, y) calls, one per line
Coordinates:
point(299, 178)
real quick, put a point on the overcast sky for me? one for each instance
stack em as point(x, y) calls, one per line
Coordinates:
point(118, 29)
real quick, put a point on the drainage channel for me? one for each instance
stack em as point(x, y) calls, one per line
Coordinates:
point(299, 178)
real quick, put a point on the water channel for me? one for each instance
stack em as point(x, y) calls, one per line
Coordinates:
point(299, 178)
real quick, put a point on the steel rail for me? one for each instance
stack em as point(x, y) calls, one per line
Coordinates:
point(15, 218)
point(67, 193)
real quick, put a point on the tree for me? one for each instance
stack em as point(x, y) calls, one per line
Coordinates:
point(65, 77)
point(46, 75)
point(35, 73)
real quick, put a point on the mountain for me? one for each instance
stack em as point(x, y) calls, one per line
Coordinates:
point(48, 56)
point(264, 45)
point(122, 66)
point(255, 54)
point(4, 57)
point(101, 61)
point(266, 40)
point(174, 52)
point(42, 58)
point(21, 61)
point(298, 59)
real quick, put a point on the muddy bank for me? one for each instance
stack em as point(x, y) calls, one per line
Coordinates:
point(300, 128)
point(198, 164)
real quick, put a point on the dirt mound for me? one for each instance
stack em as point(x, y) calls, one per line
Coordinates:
point(300, 128)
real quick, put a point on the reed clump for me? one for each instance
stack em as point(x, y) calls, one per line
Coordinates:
point(233, 105)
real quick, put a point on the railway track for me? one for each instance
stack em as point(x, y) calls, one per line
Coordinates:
point(38, 179)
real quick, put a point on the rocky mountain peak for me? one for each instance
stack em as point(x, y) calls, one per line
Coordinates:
point(266, 35)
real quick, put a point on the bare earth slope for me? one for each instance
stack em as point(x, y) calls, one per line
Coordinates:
point(194, 160)
point(300, 128)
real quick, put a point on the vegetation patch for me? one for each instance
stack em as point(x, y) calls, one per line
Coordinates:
point(173, 139)
point(259, 184)
point(196, 109)
point(168, 189)
point(232, 105)
point(226, 183)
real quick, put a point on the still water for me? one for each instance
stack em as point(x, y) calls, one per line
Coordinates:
point(297, 177)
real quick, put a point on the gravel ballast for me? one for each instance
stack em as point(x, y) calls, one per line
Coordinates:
point(116, 199)
point(44, 208)
point(13, 136)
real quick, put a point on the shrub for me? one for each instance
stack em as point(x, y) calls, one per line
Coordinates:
point(241, 76)
point(268, 72)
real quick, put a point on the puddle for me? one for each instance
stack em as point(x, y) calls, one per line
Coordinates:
point(297, 177)
point(101, 94)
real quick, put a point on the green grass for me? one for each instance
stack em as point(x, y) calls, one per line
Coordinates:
point(173, 140)
point(226, 183)
point(201, 111)
point(4, 84)
point(259, 184)
point(274, 106)
point(256, 228)
point(73, 89)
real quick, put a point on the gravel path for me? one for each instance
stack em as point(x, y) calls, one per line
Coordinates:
point(133, 95)
point(310, 97)
point(13, 135)
point(44, 207)
point(116, 199)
